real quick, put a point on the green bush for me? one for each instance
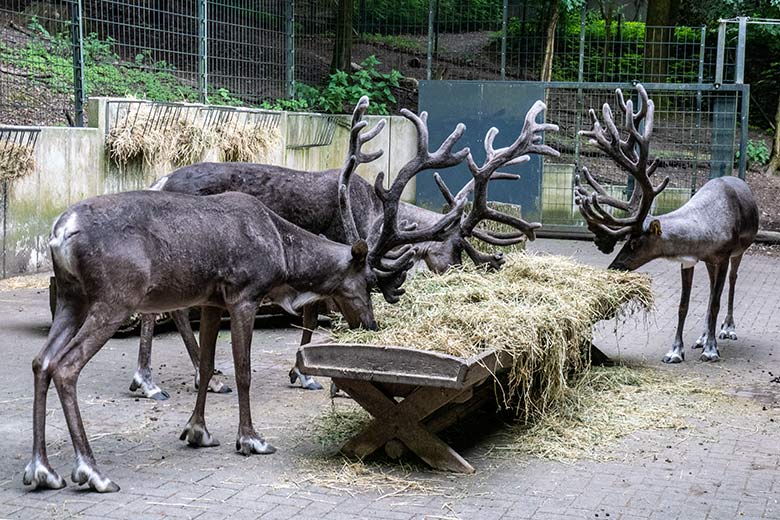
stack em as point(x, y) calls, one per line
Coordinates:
point(757, 152)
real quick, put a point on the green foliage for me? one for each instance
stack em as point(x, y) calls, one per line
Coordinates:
point(757, 152)
point(344, 90)
point(48, 60)
point(394, 42)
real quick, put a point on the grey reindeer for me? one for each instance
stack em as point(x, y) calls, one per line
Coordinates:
point(310, 200)
point(715, 226)
point(154, 252)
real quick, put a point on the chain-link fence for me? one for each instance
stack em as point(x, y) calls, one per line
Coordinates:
point(54, 53)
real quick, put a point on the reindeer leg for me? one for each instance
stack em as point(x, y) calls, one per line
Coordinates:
point(182, 320)
point(67, 320)
point(242, 319)
point(728, 330)
point(718, 275)
point(677, 354)
point(195, 433)
point(702, 340)
point(310, 314)
point(101, 323)
point(143, 374)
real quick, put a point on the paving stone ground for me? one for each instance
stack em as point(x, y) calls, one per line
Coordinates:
point(722, 469)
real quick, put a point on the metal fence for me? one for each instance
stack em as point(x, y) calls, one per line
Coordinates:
point(54, 53)
point(698, 132)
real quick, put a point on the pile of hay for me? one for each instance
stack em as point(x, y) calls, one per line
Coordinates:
point(16, 161)
point(539, 309)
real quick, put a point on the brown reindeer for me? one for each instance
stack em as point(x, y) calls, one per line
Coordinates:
point(715, 226)
point(155, 252)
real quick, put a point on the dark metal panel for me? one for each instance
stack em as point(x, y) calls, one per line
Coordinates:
point(481, 105)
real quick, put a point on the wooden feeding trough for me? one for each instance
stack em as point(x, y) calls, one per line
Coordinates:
point(436, 390)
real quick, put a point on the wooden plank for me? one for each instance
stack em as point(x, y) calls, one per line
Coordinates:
point(485, 365)
point(402, 421)
point(382, 364)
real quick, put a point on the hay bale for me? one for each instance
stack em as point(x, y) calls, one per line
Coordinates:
point(16, 161)
point(538, 309)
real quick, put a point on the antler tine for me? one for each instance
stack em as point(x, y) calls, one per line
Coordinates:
point(529, 141)
point(355, 157)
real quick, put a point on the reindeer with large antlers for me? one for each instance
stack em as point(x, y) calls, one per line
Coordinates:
point(310, 200)
point(153, 252)
point(715, 226)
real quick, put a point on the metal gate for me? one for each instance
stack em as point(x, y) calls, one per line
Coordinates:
point(700, 132)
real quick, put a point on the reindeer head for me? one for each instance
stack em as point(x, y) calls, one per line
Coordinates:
point(643, 233)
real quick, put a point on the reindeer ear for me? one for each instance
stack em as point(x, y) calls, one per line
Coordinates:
point(359, 251)
point(655, 227)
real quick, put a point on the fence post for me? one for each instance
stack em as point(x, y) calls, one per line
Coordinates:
point(429, 62)
point(743, 130)
point(580, 79)
point(739, 69)
point(203, 49)
point(504, 15)
point(77, 39)
point(721, 56)
point(290, 48)
point(697, 138)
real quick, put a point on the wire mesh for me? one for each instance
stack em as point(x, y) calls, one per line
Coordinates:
point(694, 138)
point(36, 67)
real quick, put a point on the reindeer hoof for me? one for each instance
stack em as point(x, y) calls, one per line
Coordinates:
point(727, 334)
point(150, 390)
point(40, 476)
point(711, 357)
point(248, 445)
point(84, 473)
point(674, 357)
point(218, 387)
point(198, 436)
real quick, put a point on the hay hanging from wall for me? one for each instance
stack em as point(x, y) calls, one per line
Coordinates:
point(140, 135)
point(16, 161)
point(247, 143)
point(539, 309)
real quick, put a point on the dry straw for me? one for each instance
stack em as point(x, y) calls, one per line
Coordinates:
point(139, 135)
point(539, 309)
point(16, 161)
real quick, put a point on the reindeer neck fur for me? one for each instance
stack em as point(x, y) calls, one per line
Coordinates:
point(314, 264)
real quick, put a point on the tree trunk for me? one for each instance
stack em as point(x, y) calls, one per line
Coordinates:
point(658, 38)
point(774, 161)
point(549, 47)
point(342, 50)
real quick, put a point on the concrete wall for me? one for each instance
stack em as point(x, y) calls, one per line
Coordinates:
point(72, 164)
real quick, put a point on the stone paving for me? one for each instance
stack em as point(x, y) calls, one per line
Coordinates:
point(719, 470)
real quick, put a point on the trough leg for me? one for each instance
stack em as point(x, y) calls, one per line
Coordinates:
point(403, 421)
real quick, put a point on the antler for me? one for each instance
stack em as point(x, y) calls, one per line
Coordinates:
point(355, 157)
point(632, 154)
point(392, 234)
point(391, 253)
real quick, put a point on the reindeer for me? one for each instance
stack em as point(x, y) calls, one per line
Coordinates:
point(715, 226)
point(154, 252)
point(298, 197)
